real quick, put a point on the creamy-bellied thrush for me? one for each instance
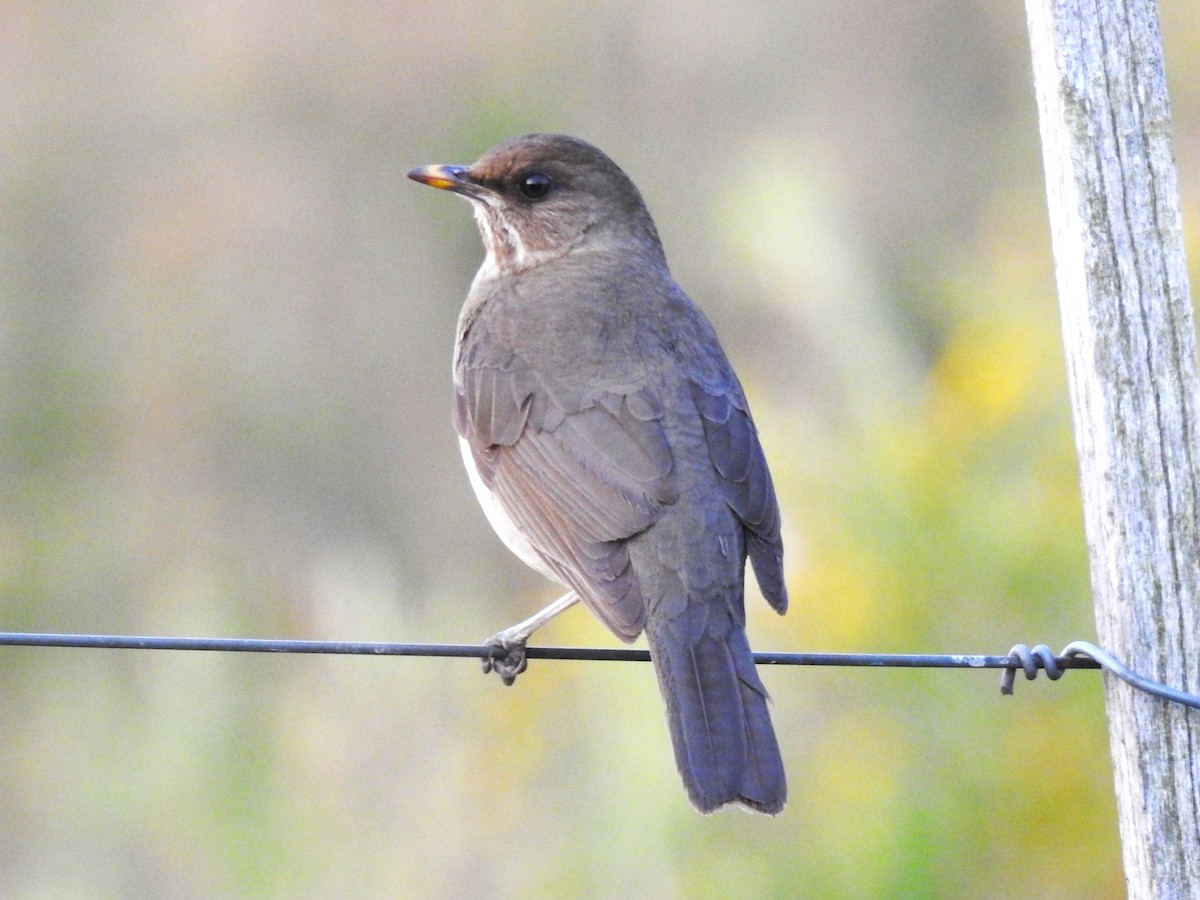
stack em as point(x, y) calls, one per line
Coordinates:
point(611, 445)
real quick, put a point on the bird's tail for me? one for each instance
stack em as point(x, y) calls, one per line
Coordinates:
point(725, 747)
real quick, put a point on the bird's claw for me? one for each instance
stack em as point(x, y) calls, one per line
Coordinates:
point(506, 657)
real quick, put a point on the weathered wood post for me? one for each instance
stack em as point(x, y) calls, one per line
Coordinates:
point(1131, 363)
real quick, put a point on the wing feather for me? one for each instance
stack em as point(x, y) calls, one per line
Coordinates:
point(578, 475)
point(738, 458)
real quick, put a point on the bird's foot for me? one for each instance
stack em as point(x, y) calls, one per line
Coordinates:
point(507, 655)
point(506, 649)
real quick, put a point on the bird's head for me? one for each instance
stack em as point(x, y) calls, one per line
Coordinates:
point(542, 196)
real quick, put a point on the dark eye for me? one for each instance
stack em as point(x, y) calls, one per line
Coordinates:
point(534, 186)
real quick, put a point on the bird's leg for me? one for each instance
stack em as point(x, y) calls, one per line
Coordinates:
point(511, 663)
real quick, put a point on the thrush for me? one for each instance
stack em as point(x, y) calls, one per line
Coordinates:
point(612, 449)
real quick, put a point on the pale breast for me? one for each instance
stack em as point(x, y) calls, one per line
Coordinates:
point(499, 519)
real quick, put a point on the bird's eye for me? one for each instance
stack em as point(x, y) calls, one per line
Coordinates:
point(534, 186)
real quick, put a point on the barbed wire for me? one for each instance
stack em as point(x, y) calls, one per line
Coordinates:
point(1076, 655)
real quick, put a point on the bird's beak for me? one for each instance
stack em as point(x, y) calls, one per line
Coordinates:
point(447, 178)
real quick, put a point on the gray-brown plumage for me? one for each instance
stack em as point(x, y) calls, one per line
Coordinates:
point(612, 447)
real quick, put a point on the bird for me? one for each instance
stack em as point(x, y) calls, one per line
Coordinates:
point(612, 449)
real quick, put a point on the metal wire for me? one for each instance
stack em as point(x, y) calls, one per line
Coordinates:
point(1076, 655)
point(479, 651)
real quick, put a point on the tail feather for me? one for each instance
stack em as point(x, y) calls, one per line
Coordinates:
point(764, 786)
point(724, 743)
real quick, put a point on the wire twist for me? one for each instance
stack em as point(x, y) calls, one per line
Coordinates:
point(1042, 657)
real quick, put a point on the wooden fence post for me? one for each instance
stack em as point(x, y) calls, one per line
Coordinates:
point(1131, 364)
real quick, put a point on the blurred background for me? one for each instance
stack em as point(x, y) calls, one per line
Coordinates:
point(226, 322)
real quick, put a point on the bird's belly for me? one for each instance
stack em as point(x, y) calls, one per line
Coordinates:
point(499, 519)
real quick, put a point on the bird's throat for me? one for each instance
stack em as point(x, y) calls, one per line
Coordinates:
point(508, 252)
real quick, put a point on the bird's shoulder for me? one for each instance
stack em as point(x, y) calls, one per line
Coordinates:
point(606, 320)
